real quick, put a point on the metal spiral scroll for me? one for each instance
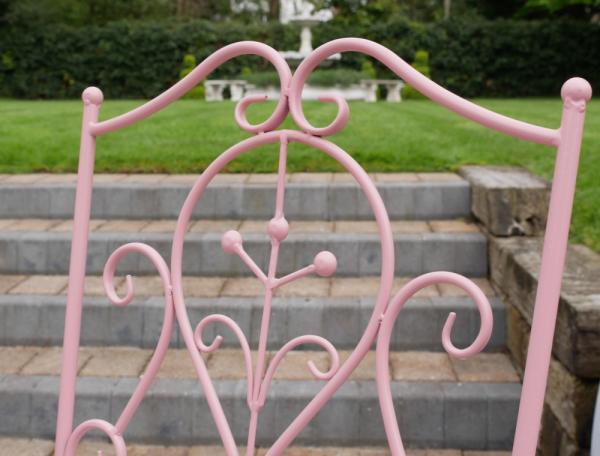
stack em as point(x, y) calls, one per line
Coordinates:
point(115, 432)
point(388, 320)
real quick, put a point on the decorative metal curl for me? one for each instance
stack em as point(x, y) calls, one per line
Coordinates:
point(387, 324)
point(296, 342)
point(115, 432)
point(413, 77)
point(231, 324)
point(111, 431)
point(199, 73)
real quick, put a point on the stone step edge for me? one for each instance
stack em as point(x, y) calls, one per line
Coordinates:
point(40, 447)
point(246, 226)
point(226, 178)
point(48, 252)
point(39, 320)
point(458, 415)
point(228, 364)
point(213, 287)
point(405, 200)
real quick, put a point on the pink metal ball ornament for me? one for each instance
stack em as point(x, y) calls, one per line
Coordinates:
point(92, 95)
point(278, 228)
point(325, 263)
point(231, 240)
point(577, 89)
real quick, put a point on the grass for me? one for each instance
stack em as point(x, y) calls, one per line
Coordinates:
point(188, 135)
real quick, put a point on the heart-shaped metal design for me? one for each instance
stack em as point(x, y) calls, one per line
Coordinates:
point(576, 93)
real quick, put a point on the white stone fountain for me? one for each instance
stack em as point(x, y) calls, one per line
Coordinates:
point(303, 13)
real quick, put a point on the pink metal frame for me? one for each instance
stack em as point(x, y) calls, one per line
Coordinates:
point(575, 93)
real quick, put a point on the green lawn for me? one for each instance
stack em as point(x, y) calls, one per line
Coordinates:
point(411, 136)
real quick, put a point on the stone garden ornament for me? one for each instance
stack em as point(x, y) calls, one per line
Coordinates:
point(567, 139)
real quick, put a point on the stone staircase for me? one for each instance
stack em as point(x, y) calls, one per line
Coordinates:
point(443, 404)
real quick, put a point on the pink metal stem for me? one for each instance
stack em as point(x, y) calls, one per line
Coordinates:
point(575, 93)
point(92, 99)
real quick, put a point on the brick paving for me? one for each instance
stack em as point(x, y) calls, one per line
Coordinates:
point(246, 226)
point(210, 287)
point(105, 363)
point(35, 447)
point(227, 363)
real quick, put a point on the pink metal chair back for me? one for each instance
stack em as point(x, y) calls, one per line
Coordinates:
point(567, 138)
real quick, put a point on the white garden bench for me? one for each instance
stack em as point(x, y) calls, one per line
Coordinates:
point(215, 89)
point(393, 87)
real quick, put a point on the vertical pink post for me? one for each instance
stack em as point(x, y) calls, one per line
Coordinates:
point(92, 99)
point(576, 92)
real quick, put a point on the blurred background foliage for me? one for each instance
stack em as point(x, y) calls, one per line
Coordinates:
point(137, 48)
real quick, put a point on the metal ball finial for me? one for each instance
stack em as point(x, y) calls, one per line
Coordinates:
point(325, 263)
point(278, 228)
point(576, 89)
point(230, 241)
point(92, 95)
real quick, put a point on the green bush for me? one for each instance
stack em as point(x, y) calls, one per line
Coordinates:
point(421, 64)
point(140, 59)
point(342, 77)
point(189, 63)
point(511, 58)
point(368, 69)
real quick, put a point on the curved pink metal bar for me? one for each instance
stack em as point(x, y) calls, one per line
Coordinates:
point(324, 264)
point(296, 342)
point(115, 432)
point(388, 320)
point(165, 335)
point(197, 75)
point(111, 431)
point(233, 243)
point(424, 85)
point(225, 320)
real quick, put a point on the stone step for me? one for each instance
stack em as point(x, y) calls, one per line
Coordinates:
point(31, 250)
point(228, 364)
point(323, 196)
point(39, 447)
point(469, 404)
point(38, 319)
point(245, 226)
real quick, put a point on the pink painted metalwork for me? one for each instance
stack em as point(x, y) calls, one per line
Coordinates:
point(576, 92)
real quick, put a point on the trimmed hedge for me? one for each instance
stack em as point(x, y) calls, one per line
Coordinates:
point(133, 60)
point(342, 77)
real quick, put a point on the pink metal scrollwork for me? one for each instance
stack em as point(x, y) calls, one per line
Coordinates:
point(385, 311)
point(115, 433)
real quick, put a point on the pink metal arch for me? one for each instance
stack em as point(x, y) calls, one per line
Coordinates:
point(576, 92)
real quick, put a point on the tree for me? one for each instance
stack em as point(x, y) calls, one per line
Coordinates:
point(33, 13)
point(573, 9)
